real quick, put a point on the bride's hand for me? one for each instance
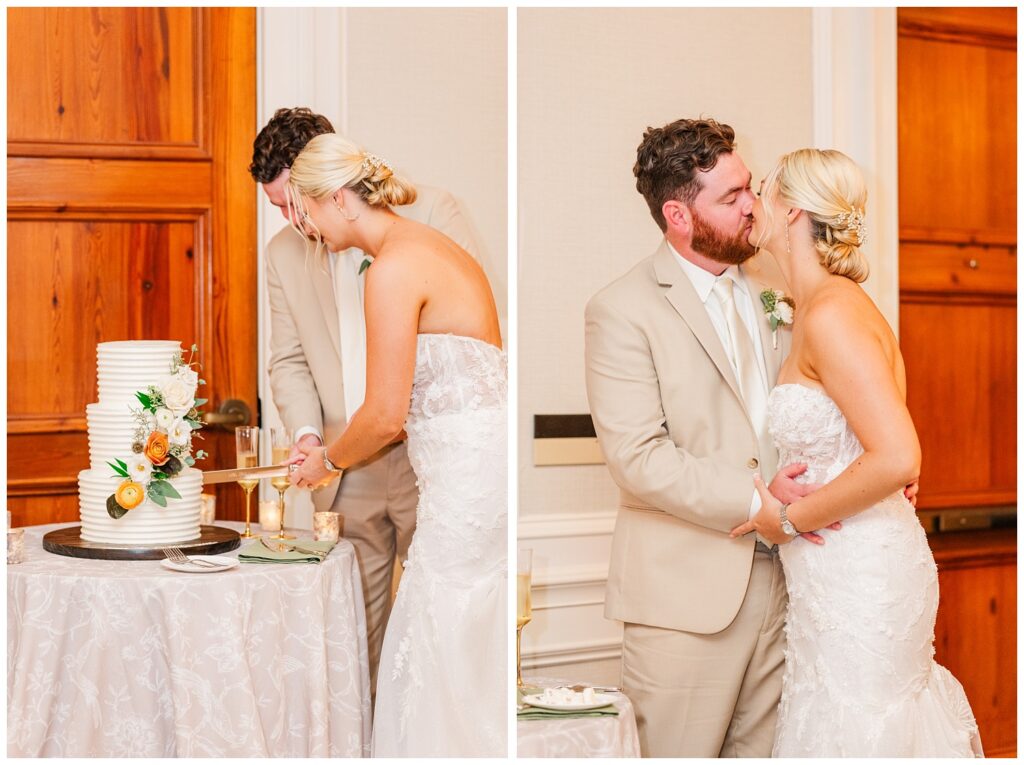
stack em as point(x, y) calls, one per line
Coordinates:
point(312, 472)
point(767, 522)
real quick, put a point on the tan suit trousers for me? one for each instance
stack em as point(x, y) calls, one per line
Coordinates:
point(712, 695)
point(377, 501)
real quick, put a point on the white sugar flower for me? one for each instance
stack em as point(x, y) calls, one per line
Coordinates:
point(164, 419)
point(190, 378)
point(178, 396)
point(180, 432)
point(139, 468)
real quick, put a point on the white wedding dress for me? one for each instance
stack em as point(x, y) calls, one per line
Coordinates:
point(442, 685)
point(860, 677)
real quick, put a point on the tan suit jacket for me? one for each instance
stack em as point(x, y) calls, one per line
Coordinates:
point(678, 442)
point(305, 348)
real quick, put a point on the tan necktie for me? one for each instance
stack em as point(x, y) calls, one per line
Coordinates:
point(744, 357)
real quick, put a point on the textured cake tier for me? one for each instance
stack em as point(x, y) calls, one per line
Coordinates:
point(125, 367)
point(111, 430)
point(147, 524)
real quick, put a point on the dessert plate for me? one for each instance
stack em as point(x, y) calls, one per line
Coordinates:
point(223, 562)
point(600, 700)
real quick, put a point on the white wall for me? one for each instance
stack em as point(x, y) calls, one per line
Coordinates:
point(590, 82)
point(425, 88)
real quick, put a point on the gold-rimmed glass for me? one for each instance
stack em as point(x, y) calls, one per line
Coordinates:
point(281, 447)
point(247, 455)
point(524, 604)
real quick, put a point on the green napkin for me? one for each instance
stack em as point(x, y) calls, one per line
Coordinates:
point(536, 713)
point(256, 552)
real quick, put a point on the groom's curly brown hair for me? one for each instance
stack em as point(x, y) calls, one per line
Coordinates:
point(669, 160)
point(281, 140)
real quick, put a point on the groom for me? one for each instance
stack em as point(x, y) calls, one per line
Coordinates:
point(318, 364)
point(680, 359)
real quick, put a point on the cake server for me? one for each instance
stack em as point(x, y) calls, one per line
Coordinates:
point(237, 474)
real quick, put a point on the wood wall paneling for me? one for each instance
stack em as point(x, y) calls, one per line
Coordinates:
point(958, 317)
point(131, 215)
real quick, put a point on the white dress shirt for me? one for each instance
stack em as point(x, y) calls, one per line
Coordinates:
point(348, 297)
point(703, 282)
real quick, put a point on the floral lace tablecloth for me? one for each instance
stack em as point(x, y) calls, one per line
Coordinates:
point(127, 658)
point(580, 737)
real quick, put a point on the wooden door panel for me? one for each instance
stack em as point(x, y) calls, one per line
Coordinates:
point(960, 377)
point(86, 282)
point(94, 76)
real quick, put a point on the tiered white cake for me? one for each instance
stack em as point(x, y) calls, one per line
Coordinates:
point(123, 369)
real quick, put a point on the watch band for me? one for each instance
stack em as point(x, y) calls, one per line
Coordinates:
point(330, 465)
point(787, 525)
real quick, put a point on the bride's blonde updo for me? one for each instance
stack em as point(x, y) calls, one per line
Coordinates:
point(829, 187)
point(330, 161)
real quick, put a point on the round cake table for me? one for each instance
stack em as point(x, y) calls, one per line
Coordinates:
point(579, 737)
point(130, 659)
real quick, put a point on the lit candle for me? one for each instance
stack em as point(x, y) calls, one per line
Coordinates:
point(326, 526)
point(270, 515)
point(15, 545)
point(208, 510)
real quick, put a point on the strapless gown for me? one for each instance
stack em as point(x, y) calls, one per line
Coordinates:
point(441, 688)
point(860, 677)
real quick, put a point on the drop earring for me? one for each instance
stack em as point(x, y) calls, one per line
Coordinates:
point(787, 237)
point(341, 209)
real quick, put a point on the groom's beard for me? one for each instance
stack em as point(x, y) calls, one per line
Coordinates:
point(713, 244)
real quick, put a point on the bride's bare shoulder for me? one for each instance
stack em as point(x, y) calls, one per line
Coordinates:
point(841, 315)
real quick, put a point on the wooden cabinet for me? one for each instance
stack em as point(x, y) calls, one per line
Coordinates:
point(976, 628)
point(958, 257)
point(957, 90)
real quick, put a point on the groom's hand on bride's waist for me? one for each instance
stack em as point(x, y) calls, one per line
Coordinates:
point(910, 492)
point(785, 488)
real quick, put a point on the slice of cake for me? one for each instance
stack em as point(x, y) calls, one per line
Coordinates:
point(141, 487)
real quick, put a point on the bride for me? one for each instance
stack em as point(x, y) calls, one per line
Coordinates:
point(859, 678)
point(434, 367)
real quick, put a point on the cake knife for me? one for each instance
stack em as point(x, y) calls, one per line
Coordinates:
point(237, 474)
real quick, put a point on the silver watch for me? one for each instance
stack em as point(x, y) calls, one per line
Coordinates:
point(787, 525)
point(330, 465)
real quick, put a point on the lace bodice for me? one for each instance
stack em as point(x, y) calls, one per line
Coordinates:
point(456, 373)
point(860, 679)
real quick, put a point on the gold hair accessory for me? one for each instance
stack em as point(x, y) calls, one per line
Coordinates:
point(372, 163)
point(854, 221)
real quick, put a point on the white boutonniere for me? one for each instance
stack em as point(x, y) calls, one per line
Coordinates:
point(779, 309)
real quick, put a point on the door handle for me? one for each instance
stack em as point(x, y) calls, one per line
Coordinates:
point(230, 414)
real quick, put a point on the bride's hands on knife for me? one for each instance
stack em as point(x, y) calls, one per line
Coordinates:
point(311, 472)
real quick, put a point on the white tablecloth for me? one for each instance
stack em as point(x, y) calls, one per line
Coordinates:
point(582, 736)
point(127, 658)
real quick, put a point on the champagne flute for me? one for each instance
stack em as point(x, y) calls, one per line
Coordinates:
point(281, 447)
point(524, 606)
point(247, 454)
